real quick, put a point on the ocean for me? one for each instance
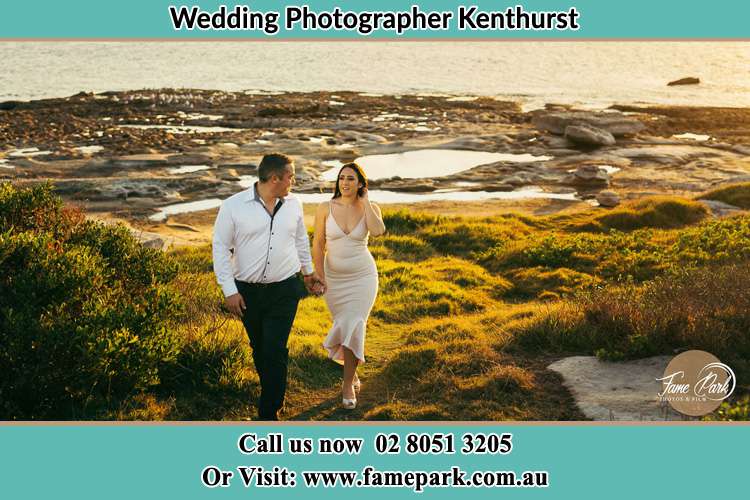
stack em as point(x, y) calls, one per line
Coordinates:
point(589, 74)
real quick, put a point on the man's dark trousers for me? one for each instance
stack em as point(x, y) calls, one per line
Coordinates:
point(268, 318)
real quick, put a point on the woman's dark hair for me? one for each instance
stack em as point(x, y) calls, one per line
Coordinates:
point(362, 179)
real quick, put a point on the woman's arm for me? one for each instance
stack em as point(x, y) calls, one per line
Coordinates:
point(373, 216)
point(319, 239)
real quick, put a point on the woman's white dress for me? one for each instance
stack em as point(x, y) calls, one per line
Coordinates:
point(352, 280)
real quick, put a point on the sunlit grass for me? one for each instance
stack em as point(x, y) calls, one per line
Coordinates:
point(471, 310)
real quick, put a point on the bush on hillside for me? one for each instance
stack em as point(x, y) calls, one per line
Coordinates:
point(657, 212)
point(734, 194)
point(84, 309)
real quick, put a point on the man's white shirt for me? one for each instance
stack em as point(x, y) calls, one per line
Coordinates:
point(251, 245)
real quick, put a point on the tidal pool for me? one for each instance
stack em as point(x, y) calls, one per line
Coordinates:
point(184, 129)
point(87, 150)
point(379, 196)
point(430, 163)
point(692, 137)
point(27, 153)
point(188, 169)
point(183, 208)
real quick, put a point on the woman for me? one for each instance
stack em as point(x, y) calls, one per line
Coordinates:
point(347, 270)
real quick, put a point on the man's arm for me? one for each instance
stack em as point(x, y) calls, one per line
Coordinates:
point(302, 242)
point(223, 242)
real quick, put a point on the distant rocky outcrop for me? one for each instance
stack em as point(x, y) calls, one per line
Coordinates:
point(616, 123)
point(589, 135)
point(589, 177)
point(690, 80)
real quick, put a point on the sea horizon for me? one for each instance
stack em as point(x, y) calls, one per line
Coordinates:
point(586, 74)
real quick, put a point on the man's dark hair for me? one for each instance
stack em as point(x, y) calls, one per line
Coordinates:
point(273, 164)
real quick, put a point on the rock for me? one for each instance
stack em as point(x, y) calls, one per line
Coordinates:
point(588, 135)
point(743, 150)
point(229, 174)
point(720, 209)
point(9, 105)
point(239, 168)
point(184, 227)
point(608, 199)
point(465, 142)
point(615, 123)
point(520, 179)
point(591, 173)
point(148, 240)
point(616, 390)
point(306, 174)
point(553, 141)
point(732, 180)
point(373, 138)
point(685, 81)
point(493, 188)
point(410, 185)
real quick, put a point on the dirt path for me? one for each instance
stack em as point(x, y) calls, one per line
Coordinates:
point(382, 342)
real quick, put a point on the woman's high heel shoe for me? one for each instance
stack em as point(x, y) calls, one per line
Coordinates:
point(349, 404)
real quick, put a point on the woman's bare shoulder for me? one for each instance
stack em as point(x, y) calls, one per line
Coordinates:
point(322, 210)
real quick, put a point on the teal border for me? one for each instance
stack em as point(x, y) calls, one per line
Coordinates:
point(165, 461)
point(600, 19)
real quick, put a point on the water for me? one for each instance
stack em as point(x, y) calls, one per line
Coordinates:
point(379, 196)
point(692, 137)
point(27, 153)
point(590, 73)
point(87, 150)
point(188, 169)
point(182, 208)
point(184, 129)
point(427, 163)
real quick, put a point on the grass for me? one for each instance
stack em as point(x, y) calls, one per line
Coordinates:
point(471, 311)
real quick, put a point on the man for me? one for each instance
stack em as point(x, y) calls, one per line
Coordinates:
point(260, 243)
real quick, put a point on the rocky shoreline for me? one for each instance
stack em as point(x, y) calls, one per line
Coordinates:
point(129, 153)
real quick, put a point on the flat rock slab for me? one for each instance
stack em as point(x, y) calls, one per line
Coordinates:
point(624, 390)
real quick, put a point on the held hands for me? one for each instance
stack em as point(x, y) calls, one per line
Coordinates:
point(236, 304)
point(315, 284)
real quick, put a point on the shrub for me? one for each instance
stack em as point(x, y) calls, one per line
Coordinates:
point(707, 309)
point(407, 222)
point(83, 310)
point(409, 291)
point(734, 194)
point(656, 212)
point(406, 248)
point(466, 238)
point(736, 411)
point(713, 242)
point(36, 209)
point(541, 281)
